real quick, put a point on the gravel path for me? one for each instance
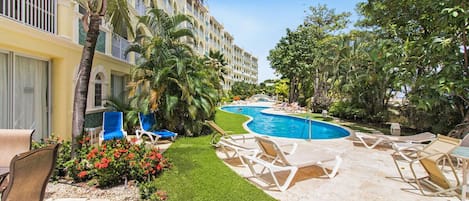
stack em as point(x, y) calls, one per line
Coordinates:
point(80, 191)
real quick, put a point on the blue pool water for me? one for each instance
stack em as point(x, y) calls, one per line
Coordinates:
point(285, 126)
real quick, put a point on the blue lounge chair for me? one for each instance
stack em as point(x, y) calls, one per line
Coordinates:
point(146, 128)
point(112, 126)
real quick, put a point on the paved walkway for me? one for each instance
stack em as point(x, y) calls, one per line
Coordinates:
point(365, 174)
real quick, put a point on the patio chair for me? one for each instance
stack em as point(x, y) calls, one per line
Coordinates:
point(250, 147)
point(29, 174)
point(220, 133)
point(273, 159)
point(147, 123)
point(377, 139)
point(430, 157)
point(112, 126)
point(12, 142)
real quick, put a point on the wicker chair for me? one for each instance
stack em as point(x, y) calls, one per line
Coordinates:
point(30, 173)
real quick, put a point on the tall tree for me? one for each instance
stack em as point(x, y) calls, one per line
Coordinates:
point(170, 80)
point(434, 71)
point(115, 12)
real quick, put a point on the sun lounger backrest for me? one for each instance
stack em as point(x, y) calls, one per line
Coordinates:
point(113, 121)
point(433, 153)
point(271, 149)
point(215, 127)
point(146, 121)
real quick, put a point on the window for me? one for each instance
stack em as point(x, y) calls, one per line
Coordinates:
point(119, 46)
point(118, 87)
point(98, 90)
point(100, 44)
point(24, 92)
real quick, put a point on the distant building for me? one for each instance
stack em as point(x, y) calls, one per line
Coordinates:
point(40, 49)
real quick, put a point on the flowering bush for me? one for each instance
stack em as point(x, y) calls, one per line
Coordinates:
point(116, 161)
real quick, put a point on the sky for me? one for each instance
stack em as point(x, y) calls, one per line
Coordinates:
point(258, 25)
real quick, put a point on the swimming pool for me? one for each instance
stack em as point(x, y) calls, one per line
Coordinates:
point(286, 126)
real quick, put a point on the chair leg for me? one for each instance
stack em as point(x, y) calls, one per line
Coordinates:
point(378, 141)
point(287, 182)
point(394, 158)
point(338, 161)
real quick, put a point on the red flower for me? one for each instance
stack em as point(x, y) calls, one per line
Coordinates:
point(82, 174)
point(117, 154)
point(104, 163)
point(158, 167)
point(131, 156)
point(159, 156)
point(92, 154)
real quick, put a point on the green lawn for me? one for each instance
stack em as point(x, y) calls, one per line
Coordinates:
point(198, 174)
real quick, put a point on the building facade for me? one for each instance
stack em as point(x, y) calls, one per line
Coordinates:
point(40, 50)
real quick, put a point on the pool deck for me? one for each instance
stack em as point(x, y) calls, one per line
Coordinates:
point(365, 174)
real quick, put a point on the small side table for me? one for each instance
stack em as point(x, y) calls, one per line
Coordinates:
point(463, 154)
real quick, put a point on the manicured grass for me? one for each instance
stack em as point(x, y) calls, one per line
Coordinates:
point(198, 174)
point(231, 122)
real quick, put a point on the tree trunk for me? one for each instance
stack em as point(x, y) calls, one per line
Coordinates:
point(83, 78)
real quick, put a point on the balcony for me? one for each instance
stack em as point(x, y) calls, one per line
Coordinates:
point(38, 14)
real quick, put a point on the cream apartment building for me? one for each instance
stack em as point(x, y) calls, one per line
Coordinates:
point(40, 50)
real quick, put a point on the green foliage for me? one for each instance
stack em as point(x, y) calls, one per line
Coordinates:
point(306, 56)
point(182, 89)
point(64, 154)
point(243, 89)
point(149, 191)
point(347, 110)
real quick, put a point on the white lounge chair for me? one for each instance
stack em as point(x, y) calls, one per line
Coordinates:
point(377, 139)
point(273, 159)
point(235, 147)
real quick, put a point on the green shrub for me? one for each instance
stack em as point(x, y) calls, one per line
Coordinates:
point(63, 155)
point(149, 191)
point(346, 110)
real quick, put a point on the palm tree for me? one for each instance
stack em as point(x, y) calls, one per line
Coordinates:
point(216, 60)
point(162, 53)
point(170, 80)
point(115, 12)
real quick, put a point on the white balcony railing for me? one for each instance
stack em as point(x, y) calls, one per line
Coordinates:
point(39, 14)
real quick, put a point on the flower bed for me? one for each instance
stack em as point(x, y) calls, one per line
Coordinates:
point(112, 163)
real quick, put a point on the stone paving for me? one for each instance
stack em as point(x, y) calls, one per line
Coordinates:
point(365, 174)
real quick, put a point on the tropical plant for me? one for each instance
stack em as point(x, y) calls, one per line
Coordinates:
point(170, 80)
point(117, 15)
point(243, 89)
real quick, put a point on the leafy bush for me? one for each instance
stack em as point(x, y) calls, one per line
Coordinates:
point(346, 110)
point(63, 155)
point(149, 191)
